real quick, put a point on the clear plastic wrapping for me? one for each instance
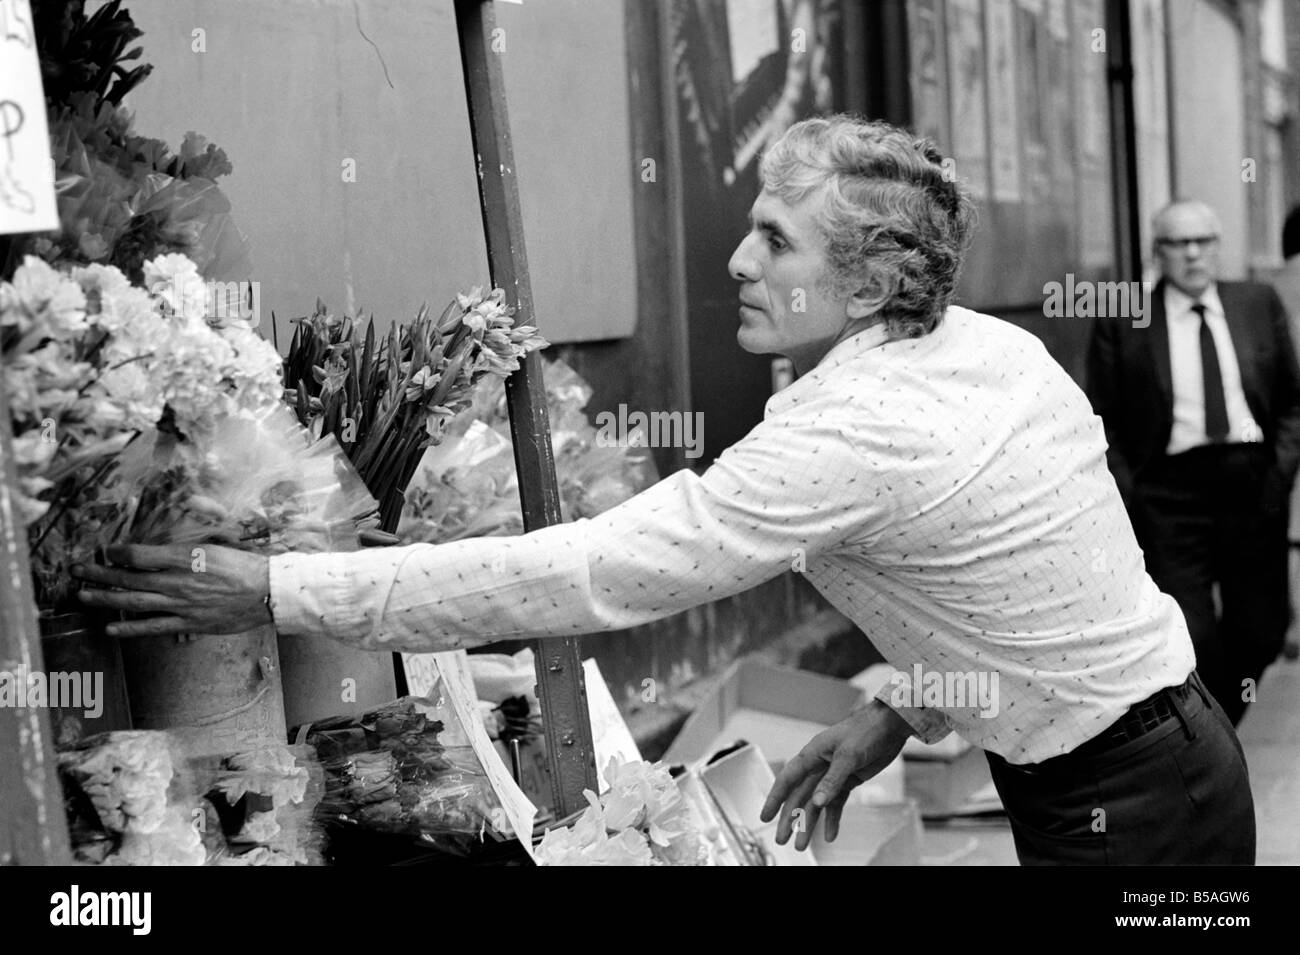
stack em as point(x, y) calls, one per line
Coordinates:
point(139, 797)
point(467, 486)
point(261, 808)
point(407, 770)
point(262, 483)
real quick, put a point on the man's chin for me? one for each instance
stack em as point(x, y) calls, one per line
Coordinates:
point(753, 342)
point(1193, 286)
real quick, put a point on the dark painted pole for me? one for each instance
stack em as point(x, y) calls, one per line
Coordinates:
point(560, 686)
point(33, 830)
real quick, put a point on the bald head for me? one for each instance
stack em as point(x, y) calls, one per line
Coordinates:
point(1186, 236)
point(1182, 210)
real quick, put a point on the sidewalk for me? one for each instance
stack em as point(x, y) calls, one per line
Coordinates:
point(1270, 734)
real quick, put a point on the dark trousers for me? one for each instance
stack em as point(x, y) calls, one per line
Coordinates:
point(1177, 795)
point(1199, 519)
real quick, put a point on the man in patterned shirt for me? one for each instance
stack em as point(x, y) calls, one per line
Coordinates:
point(937, 476)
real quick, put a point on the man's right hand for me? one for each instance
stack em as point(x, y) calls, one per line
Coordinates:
point(821, 777)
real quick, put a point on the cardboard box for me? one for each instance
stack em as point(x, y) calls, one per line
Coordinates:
point(739, 782)
point(887, 834)
point(724, 845)
point(778, 710)
point(946, 786)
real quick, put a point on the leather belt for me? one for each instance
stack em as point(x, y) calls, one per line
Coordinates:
point(1141, 718)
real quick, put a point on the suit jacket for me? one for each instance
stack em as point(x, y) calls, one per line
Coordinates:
point(1130, 384)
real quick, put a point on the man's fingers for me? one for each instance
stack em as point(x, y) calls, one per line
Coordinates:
point(791, 776)
point(140, 601)
point(154, 626)
point(108, 576)
point(172, 585)
point(151, 557)
point(843, 765)
point(831, 828)
point(807, 825)
point(129, 579)
point(796, 803)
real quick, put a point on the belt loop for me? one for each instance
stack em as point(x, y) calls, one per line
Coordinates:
point(1195, 681)
point(1177, 705)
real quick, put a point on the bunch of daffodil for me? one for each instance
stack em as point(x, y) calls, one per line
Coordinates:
point(388, 400)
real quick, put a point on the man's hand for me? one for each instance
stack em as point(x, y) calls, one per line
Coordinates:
point(828, 769)
point(201, 588)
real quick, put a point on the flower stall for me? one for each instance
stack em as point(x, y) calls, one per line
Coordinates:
point(138, 405)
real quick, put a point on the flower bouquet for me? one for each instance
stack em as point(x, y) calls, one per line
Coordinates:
point(123, 199)
point(641, 820)
point(126, 803)
point(143, 797)
point(387, 400)
point(111, 365)
point(260, 806)
point(405, 771)
point(117, 397)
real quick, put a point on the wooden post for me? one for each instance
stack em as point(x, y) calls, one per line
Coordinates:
point(560, 685)
point(33, 829)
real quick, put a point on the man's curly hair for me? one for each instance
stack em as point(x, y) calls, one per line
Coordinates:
point(891, 215)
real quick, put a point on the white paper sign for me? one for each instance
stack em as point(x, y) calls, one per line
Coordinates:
point(609, 733)
point(422, 673)
point(26, 170)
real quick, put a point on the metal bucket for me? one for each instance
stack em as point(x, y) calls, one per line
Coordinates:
point(324, 678)
point(222, 693)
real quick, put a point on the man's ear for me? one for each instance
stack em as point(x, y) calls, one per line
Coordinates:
point(871, 297)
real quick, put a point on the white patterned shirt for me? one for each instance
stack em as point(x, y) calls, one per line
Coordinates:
point(949, 494)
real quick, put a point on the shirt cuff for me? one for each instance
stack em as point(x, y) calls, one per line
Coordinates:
point(928, 725)
point(321, 595)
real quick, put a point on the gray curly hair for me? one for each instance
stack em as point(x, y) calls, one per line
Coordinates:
point(890, 215)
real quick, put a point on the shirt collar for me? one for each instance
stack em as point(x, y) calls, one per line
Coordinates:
point(873, 336)
point(1178, 303)
point(854, 346)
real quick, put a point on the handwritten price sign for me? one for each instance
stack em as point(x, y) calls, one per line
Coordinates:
point(26, 170)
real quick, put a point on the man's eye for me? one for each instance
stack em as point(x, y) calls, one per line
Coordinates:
point(776, 242)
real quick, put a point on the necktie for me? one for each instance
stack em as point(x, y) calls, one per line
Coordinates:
point(1216, 407)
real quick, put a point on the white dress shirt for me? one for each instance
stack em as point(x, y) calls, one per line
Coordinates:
point(949, 494)
point(1185, 371)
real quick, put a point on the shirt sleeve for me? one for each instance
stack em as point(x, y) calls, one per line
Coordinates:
point(796, 486)
point(928, 725)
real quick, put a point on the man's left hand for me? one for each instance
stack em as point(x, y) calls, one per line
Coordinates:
point(201, 588)
point(825, 771)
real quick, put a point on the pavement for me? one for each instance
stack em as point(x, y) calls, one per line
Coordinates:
point(1270, 734)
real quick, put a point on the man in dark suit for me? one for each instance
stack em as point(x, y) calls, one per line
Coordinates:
point(1202, 415)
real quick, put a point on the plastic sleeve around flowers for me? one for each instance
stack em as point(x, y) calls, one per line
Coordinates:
point(789, 489)
point(928, 725)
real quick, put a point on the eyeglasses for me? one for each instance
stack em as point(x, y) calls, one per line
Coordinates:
point(1182, 244)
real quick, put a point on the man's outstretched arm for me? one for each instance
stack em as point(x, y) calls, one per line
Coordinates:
point(798, 483)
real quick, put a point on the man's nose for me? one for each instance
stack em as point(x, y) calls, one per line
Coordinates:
point(743, 266)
